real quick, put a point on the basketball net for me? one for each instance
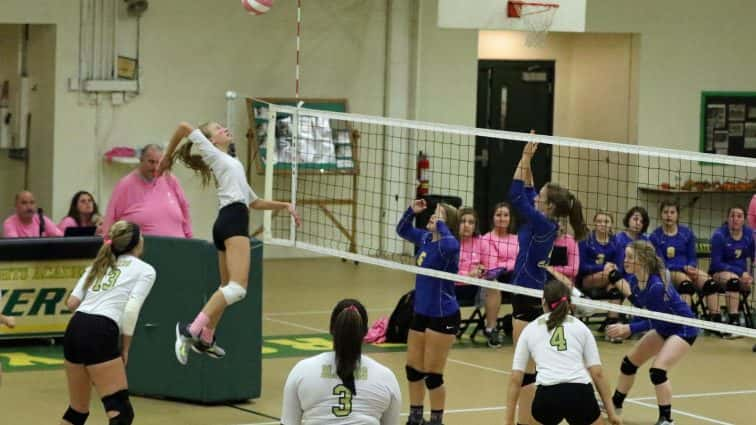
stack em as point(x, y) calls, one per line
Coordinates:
point(537, 16)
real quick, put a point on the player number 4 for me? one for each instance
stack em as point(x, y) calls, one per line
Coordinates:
point(557, 339)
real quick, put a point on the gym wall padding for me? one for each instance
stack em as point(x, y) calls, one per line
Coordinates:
point(187, 275)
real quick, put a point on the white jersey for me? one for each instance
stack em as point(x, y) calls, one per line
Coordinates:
point(228, 171)
point(315, 395)
point(130, 281)
point(561, 355)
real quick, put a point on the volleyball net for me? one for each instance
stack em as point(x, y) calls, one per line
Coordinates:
point(353, 176)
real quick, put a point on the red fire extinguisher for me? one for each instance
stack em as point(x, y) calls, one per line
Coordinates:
point(423, 166)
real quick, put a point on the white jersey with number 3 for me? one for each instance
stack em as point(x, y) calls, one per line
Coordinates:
point(131, 278)
point(315, 395)
point(561, 355)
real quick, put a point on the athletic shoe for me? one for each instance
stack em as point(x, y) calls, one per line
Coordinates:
point(183, 340)
point(494, 338)
point(664, 422)
point(213, 350)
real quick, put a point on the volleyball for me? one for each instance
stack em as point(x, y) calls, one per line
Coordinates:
point(257, 7)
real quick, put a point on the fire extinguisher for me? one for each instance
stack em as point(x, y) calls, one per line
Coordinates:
point(423, 166)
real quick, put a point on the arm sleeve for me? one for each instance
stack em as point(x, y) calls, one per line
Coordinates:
point(78, 290)
point(523, 204)
point(407, 231)
point(51, 229)
point(291, 409)
point(136, 299)
point(9, 230)
point(448, 245)
point(522, 353)
point(210, 154)
point(184, 205)
point(640, 324)
point(691, 248)
point(717, 254)
point(391, 415)
point(590, 349)
point(573, 259)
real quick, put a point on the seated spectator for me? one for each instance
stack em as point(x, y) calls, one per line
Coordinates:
point(499, 252)
point(567, 263)
point(732, 245)
point(470, 251)
point(676, 245)
point(636, 224)
point(28, 222)
point(83, 212)
point(597, 253)
point(752, 214)
point(156, 204)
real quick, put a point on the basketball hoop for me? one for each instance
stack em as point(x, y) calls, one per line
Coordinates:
point(537, 16)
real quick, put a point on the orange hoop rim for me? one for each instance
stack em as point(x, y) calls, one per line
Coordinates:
point(514, 8)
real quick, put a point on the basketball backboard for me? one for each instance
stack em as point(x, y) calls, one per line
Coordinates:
point(492, 15)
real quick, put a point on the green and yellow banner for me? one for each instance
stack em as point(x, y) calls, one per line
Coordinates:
point(35, 294)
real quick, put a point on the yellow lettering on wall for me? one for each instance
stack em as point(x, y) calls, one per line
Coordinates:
point(14, 273)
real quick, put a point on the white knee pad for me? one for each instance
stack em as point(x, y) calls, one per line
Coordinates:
point(233, 293)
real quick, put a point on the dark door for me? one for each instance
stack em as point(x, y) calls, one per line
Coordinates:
point(514, 96)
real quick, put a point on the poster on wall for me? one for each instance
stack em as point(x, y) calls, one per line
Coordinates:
point(750, 135)
point(737, 112)
point(735, 129)
point(716, 115)
point(728, 123)
point(721, 142)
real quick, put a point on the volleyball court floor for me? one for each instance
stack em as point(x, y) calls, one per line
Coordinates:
point(714, 384)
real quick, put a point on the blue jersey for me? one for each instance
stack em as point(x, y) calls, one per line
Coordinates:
point(594, 255)
point(536, 238)
point(434, 297)
point(728, 254)
point(621, 241)
point(678, 250)
point(657, 296)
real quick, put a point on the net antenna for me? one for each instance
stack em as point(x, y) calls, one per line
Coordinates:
point(537, 16)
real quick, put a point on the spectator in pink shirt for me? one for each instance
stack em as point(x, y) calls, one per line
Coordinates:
point(498, 259)
point(83, 212)
point(25, 223)
point(752, 214)
point(156, 203)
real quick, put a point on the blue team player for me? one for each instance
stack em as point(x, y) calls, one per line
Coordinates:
point(732, 245)
point(436, 312)
point(636, 224)
point(645, 287)
point(536, 237)
point(676, 245)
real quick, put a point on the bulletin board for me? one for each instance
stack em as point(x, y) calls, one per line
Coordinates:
point(728, 123)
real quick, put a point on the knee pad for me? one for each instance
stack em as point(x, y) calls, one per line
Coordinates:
point(528, 379)
point(686, 288)
point(709, 288)
point(733, 285)
point(119, 402)
point(413, 375)
point(434, 380)
point(627, 367)
point(658, 376)
point(614, 294)
point(76, 418)
point(233, 293)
